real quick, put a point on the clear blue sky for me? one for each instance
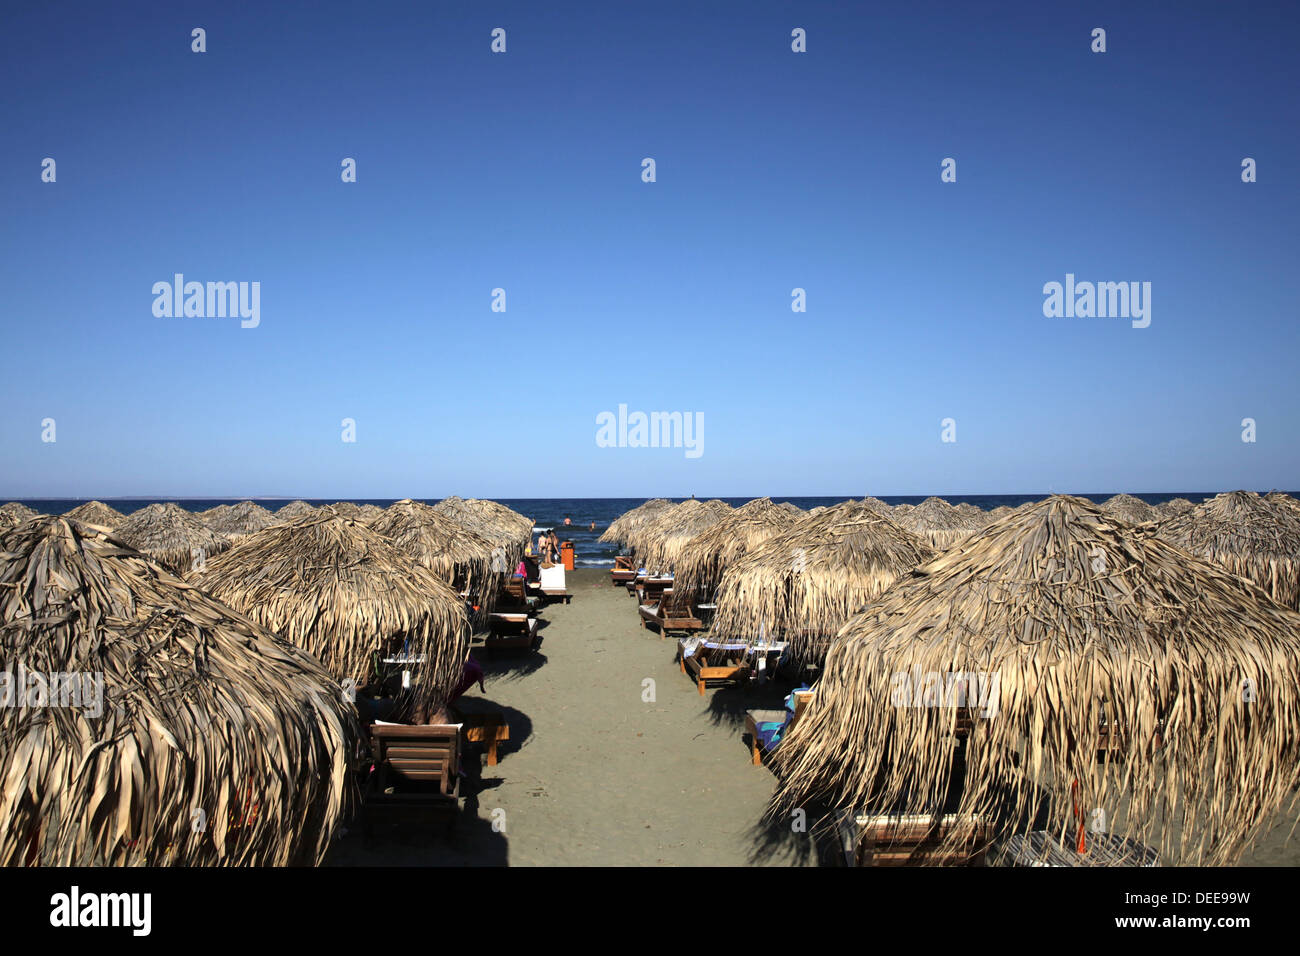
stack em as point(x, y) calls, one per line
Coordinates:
point(775, 170)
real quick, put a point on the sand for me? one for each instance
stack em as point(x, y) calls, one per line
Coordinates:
point(595, 776)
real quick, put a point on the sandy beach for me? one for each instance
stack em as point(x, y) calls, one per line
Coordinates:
point(592, 775)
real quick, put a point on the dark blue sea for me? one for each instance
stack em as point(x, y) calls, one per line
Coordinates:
point(550, 512)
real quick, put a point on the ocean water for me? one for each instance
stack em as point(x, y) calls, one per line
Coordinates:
point(550, 513)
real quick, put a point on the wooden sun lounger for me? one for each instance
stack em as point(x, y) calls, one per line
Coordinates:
point(672, 612)
point(417, 773)
point(755, 717)
point(510, 630)
point(652, 589)
point(919, 839)
point(624, 570)
point(714, 664)
point(490, 729)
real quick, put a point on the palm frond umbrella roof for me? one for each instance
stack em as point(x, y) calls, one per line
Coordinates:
point(1001, 511)
point(294, 509)
point(96, 513)
point(181, 732)
point(1091, 625)
point(1131, 509)
point(660, 540)
point(333, 586)
point(791, 507)
point(366, 514)
point(238, 519)
point(440, 543)
point(1174, 506)
point(18, 512)
point(704, 556)
point(622, 527)
point(804, 583)
point(509, 533)
point(878, 506)
point(1255, 537)
point(170, 534)
point(901, 509)
point(940, 524)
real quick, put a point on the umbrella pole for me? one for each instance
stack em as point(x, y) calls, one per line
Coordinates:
point(1081, 843)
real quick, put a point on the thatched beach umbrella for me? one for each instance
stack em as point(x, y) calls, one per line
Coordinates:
point(705, 556)
point(171, 535)
point(1133, 510)
point(96, 513)
point(366, 514)
point(1257, 538)
point(620, 530)
point(443, 545)
point(878, 506)
point(804, 583)
point(660, 541)
point(237, 520)
point(939, 524)
point(156, 727)
point(1132, 679)
point(343, 592)
point(294, 509)
point(1174, 506)
point(509, 532)
point(899, 510)
point(1001, 511)
point(16, 512)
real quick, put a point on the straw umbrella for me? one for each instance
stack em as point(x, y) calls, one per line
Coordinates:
point(508, 533)
point(17, 513)
point(878, 506)
point(343, 592)
point(1257, 538)
point(1133, 510)
point(940, 524)
point(1174, 506)
point(446, 547)
point(1102, 636)
point(705, 556)
point(294, 509)
point(97, 513)
point(899, 510)
point(171, 535)
point(625, 525)
point(237, 520)
point(804, 583)
point(661, 540)
point(1001, 511)
point(181, 733)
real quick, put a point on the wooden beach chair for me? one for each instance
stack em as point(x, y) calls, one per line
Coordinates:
point(727, 663)
point(918, 839)
point(416, 775)
point(624, 570)
point(652, 589)
point(487, 729)
point(753, 718)
point(672, 612)
point(510, 630)
point(552, 584)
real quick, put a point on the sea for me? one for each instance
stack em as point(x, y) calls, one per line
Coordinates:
point(548, 513)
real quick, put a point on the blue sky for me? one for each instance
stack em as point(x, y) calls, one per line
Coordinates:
point(522, 171)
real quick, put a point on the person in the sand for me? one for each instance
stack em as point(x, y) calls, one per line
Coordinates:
point(555, 547)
